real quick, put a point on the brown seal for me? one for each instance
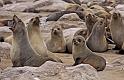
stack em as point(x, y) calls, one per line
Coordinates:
point(22, 53)
point(82, 54)
point(57, 42)
point(97, 41)
point(90, 20)
point(37, 41)
point(116, 29)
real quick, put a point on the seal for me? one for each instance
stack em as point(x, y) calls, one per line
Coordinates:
point(116, 29)
point(96, 41)
point(57, 42)
point(82, 54)
point(37, 41)
point(22, 53)
point(55, 16)
point(90, 20)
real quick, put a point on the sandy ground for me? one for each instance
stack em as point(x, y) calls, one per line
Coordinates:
point(109, 73)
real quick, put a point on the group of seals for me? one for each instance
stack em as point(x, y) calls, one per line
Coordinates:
point(82, 54)
point(22, 53)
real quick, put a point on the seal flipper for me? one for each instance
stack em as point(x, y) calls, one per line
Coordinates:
point(77, 61)
point(2, 39)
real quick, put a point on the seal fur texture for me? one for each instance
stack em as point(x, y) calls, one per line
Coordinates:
point(82, 54)
point(57, 42)
point(96, 41)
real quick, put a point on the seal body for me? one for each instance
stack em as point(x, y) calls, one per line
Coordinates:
point(82, 54)
point(97, 41)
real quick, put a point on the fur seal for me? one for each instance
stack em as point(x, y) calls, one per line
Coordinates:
point(22, 53)
point(37, 42)
point(97, 41)
point(116, 29)
point(82, 54)
point(55, 16)
point(57, 42)
point(69, 34)
point(90, 20)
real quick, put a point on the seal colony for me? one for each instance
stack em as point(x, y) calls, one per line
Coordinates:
point(22, 53)
point(29, 48)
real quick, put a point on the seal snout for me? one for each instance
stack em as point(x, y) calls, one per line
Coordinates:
point(75, 42)
point(115, 15)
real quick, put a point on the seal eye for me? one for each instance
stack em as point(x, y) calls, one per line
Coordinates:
point(58, 28)
point(79, 40)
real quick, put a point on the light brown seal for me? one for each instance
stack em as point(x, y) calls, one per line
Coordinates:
point(57, 42)
point(116, 29)
point(82, 54)
point(97, 41)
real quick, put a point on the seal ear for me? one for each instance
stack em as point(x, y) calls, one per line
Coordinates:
point(15, 18)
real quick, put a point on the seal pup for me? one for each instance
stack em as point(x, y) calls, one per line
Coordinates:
point(37, 41)
point(22, 53)
point(57, 42)
point(82, 54)
point(96, 41)
point(116, 29)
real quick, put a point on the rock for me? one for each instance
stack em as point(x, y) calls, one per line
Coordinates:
point(118, 61)
point(86, 1)
point(7, 2)
point(52, 6)
point(5, 31)
point(19, 7)
point(51, 71)
point(120, 7)
point(70, 17)
point(41, 5)
point(5, 50)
